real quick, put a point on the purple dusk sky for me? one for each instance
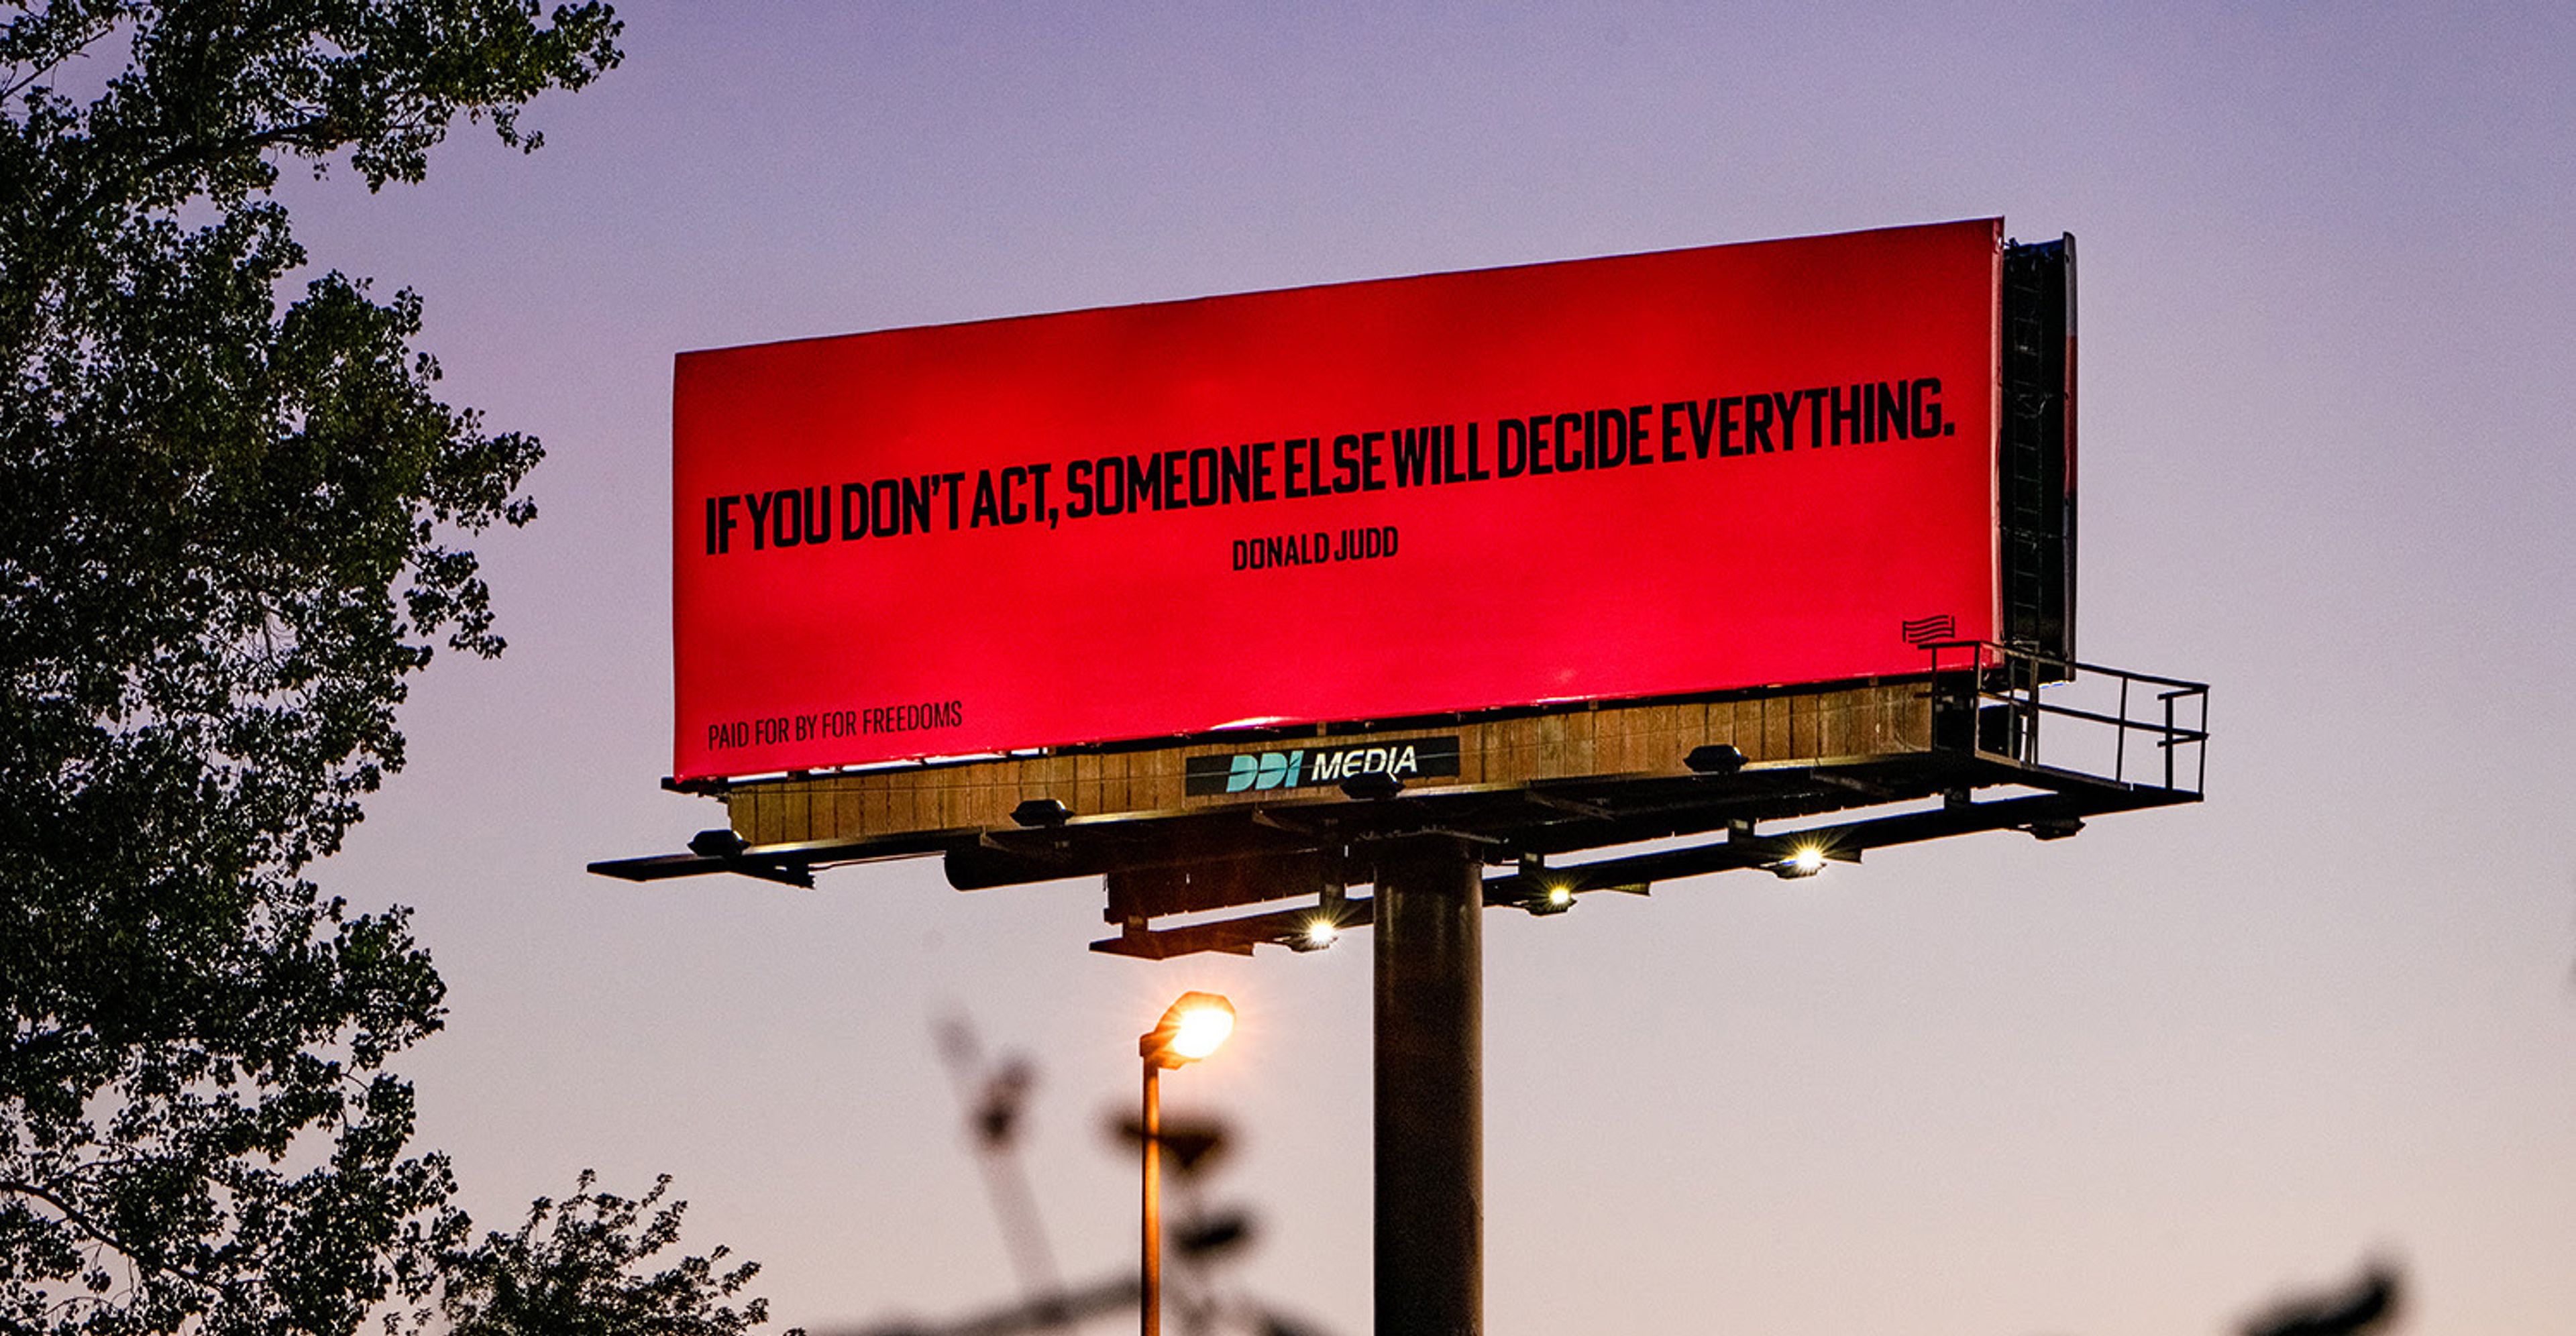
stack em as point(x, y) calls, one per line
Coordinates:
point(2134, 1082)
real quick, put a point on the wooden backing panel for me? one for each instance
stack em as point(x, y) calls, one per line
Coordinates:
point(1775, 729)
point(1602, 740)
point(1744, 727)
point(1834, 726)
point(1163, 784)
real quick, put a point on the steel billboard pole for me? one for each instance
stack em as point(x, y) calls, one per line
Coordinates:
point(1429, 1093)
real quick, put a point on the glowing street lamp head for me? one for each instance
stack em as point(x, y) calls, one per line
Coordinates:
point(1194, 1027)
point(1321, 931)
point(1203, 1031)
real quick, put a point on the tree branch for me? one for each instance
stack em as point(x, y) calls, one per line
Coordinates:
point(89, 1225)
point(48, 62)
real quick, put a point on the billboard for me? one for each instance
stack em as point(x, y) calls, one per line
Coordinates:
point(1635, 476)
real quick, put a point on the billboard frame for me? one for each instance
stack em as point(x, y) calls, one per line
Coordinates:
point(1976, 400)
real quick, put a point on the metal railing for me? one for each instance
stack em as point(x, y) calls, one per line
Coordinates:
point(1987, 698)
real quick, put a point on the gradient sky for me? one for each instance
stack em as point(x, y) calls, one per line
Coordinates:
point(2134, 1082)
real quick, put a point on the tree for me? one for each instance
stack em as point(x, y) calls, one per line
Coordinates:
point(581, 1279)
point(230, 531)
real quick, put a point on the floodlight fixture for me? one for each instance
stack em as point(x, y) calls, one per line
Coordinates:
point(1718, 758)
point(1805, 861)
point(720, 842)
point(1041, 812)
point(1554, 898)
point(1320, 932)
point(1372, 784)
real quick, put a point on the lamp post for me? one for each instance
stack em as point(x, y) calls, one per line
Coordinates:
point(1191, 1029)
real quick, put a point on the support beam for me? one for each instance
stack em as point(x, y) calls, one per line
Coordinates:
point(1430, 1090)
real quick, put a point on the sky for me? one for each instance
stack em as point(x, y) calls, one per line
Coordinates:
point(2137, 1081)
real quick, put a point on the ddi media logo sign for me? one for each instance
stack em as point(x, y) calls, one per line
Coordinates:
point(1262, 770)
point(1269, 771)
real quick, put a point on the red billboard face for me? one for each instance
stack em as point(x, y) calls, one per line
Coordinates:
point(1644, 475)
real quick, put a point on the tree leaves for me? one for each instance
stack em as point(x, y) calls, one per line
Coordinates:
point(232, 529)
point(587, 1274)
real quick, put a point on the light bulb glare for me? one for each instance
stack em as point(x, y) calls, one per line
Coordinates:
point(1202, 1031)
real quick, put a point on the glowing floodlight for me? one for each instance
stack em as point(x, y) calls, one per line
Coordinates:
point(1805, 861)
point(1552, 897)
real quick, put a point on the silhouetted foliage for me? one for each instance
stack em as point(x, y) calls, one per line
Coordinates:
point(229, 535)
point(582, 1276)
point(2366, 1305)
point(997, 1096)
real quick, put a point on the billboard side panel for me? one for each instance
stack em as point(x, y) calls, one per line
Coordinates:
point(1643, 475)
point(2036, 446)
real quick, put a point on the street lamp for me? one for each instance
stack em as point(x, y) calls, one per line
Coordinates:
point(1195, 1026)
